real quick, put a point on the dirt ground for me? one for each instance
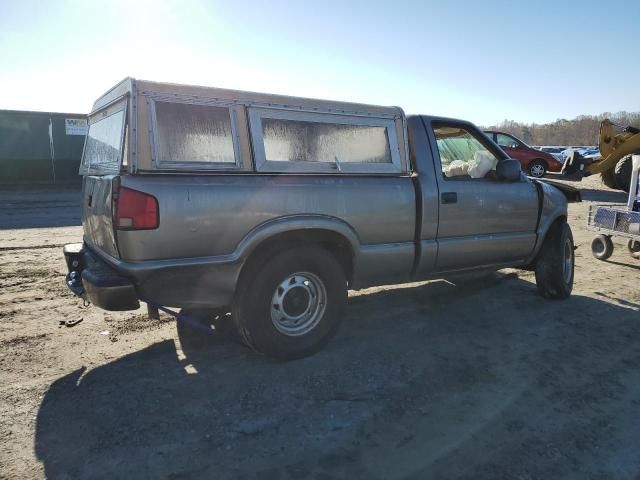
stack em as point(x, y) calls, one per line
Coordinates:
point(438, 380)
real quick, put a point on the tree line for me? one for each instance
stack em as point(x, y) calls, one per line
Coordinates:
point(582, 130)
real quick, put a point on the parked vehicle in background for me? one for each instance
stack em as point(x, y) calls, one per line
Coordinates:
point(271, 207)
point(590, 153)
point(534, 162)
point(555, 151)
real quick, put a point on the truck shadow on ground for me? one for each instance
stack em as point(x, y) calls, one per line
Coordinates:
point(431, 381)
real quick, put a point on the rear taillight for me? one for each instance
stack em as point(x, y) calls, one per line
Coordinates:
point(135, 210)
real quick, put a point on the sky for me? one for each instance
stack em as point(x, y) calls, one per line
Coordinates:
point(483, 61)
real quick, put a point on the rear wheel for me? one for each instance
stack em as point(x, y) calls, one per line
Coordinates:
point(554, 265)
point(601, 247)
point(290, 305)
point(537, 169)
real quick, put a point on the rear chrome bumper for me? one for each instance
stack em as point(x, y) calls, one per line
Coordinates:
point(92, 279)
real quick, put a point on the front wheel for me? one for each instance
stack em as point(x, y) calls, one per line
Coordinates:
point(622, 173)
point(537, 169)
point(555, 263)
point(292, 304)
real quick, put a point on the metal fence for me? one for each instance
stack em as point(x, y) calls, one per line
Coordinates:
point(40, 147)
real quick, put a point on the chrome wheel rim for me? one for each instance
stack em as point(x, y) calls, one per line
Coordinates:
point(298, 304)
point(567, 266)
point(537, 170)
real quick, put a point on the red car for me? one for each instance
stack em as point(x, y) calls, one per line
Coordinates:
point(535, 163)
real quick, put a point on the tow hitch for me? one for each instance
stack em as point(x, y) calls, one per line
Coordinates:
point(94, 281)
point(75, 264)
point(74, 282)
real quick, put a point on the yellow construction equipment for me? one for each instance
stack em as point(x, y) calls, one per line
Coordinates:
point(616, 143)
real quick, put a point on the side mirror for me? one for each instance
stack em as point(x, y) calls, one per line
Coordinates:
point(508, 170)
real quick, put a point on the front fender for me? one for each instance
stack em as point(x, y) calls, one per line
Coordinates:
point(553, 206)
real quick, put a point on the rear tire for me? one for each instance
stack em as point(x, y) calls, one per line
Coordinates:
point(537, 169)
point(555, 263)
point(601, 247)
point(290, 305)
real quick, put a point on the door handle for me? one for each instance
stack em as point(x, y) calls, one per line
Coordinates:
point(449, 197)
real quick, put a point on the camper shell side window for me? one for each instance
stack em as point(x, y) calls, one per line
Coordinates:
point(286, 140)
point(194, 134)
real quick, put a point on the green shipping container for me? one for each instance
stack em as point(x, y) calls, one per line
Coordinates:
point(41, 147)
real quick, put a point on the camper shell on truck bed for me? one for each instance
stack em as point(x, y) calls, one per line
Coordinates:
point(272, 206)
point(143, 153)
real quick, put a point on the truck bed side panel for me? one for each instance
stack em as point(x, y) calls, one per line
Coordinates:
point(212, 216)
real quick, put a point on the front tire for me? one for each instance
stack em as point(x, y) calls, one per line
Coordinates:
point(537, 169)
point(290, 305)
point(622, 173)
point(555, 263)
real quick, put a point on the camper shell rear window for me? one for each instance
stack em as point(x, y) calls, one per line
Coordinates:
point(105, 141)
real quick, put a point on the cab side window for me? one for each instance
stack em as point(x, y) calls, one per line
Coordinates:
point(463, 155)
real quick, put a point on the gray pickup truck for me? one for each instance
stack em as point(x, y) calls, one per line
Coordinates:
point(272, 207)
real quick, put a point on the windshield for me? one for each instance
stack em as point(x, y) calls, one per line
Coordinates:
point(103, 148)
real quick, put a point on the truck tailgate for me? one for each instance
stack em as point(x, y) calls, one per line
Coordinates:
point(97, 213)
point(100, 166)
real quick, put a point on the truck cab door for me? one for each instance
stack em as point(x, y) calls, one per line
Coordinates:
point(482, 221)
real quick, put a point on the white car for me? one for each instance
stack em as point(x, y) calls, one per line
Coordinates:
point(555, 151)
point(586, 152)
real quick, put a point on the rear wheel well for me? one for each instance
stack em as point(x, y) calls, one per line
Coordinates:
point(328, 240)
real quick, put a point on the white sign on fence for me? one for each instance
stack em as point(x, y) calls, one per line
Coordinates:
point(75, 126)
